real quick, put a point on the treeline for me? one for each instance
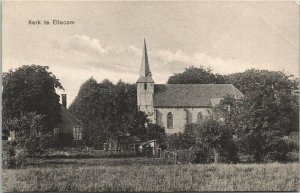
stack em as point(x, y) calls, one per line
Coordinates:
point(257, 126)
point(110, 110)
point(273, 96)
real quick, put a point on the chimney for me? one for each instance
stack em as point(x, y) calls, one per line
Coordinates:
point(64, 100)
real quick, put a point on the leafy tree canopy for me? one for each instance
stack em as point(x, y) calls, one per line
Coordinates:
point(270, 81)
point(194, 75)
point(108, 110)
point(271, 97)
point(30, 133)
point(31, 88)
point(260, 133)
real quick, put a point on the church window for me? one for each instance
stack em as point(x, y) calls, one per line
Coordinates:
point(77, 135)
point(169, 120)
point(56, 133)
point(199, 117)
point(145, 86)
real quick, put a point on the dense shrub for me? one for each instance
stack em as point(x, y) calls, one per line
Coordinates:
point(201, 154)
point(230, 153)
point(180, 141)
point(22, 158)
point(31, 135)
point(8, 159)
point(168, 157)
point(77, 154)
point(183, 156)
point(13, 157)
point(280, 149)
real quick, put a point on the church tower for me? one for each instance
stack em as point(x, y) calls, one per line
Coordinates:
point(145, 87)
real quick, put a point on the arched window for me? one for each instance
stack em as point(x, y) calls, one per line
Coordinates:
point(145, 86)
point(199, 117)
point(169, 120)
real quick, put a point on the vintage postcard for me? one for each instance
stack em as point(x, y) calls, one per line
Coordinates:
point(150, 96)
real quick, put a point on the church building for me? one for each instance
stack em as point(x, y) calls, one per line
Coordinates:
point(173, 106)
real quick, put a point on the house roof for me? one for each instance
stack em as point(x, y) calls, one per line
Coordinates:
point(67, 116)
point(192, 95)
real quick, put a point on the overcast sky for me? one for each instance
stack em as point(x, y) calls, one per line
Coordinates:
point(106, 40)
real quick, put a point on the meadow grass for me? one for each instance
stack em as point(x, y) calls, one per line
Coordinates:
point(97, 175)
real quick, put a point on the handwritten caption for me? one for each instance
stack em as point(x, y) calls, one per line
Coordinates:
point(50, 22)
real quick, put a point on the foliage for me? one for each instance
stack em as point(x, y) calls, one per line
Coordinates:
point(183, 140)
point(212, 133)
point(84, 111)
point(279, 148)
point(22, 158)
point(210, 137)
point(31, 88)
point(174, 141)
point(30, 133)
point(8, 153)
point(194, 75)
point(256, 135)
point(108, 110)
point(260, 121)
point(271, 97)
point(80, 154)
point(201, 153)
point(154, 131)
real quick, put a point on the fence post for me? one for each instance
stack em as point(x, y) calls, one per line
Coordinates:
point(175, 157)
point(159, 152)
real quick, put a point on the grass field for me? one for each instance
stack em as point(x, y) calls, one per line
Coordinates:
point(141, 174)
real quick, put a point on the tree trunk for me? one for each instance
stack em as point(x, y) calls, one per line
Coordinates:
point(216, 155)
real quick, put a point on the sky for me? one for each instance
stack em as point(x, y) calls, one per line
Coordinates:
point(106, 40)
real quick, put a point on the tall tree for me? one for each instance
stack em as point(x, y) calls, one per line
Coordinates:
point(31, 88)
point(273, 97)
point(86, 93)
point(194, 75)
point(108, 110)
point(258, 134)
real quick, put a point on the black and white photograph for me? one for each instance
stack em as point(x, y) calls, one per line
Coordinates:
point(150, 96)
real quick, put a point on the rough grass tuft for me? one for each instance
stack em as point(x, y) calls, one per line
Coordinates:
point(109, 175)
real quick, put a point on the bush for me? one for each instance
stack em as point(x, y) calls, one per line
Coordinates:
point(8, 159)
point(280, 149)
point(180, 141)
point(21, 158)
point(168, 157)
point(184, 156)
point(77, 154)
point(230, 153)
point(13, 157)
point(30, 133)
point(201, 154)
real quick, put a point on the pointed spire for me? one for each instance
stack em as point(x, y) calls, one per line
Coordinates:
point(145, 69)
point(145, 73)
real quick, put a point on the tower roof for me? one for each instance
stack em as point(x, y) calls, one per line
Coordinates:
point(145, 73)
